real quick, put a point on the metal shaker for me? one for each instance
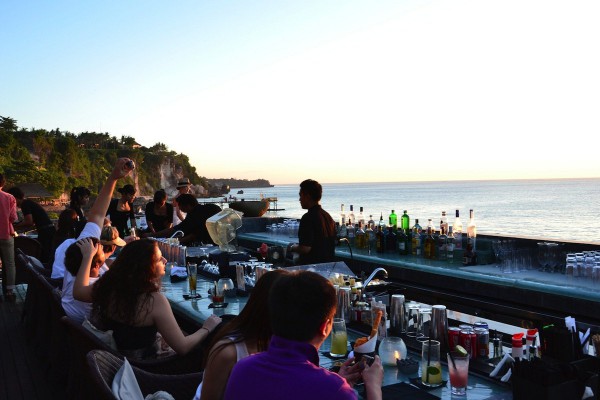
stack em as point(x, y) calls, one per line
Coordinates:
point(397, 319)
point(439, 325)
point(344, 306)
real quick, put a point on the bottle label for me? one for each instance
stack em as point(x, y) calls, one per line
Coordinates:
point(402, 246)
point(458, 240)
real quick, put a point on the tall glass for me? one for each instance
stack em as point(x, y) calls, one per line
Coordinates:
point(459, 373)
point(339, 338)
point(431, 367)
point(192, 270)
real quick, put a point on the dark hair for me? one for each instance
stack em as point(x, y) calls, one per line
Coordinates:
point(299, 303)
point(187, 200)
point(2, 180)
point(312, 188)
point(159, 196)
point(16, 192)
point(252, 323)
point(126, 288)
point(66, 226)
point(73, 257)
point(127, 189)
point(78, 192)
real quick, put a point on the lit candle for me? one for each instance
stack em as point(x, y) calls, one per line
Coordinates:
point(396, 355)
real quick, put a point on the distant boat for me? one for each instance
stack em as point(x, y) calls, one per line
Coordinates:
point(251, 208)
point(240, 192)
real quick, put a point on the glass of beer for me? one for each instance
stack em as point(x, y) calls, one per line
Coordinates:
point(339, 338)
point(192, 270)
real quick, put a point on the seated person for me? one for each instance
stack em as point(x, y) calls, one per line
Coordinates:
point(110, 240)
point(121, 210)
point(159, 213)
point(246, 334)
point(127, 299)
point(302, 305)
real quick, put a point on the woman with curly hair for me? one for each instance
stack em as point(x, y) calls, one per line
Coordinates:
point(248, 333)
point(127, 299)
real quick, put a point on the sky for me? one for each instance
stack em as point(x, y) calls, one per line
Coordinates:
point(337, 91)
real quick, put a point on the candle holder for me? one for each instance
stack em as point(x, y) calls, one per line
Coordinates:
point(392, 349)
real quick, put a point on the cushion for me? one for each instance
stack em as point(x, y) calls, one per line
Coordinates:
point(105, 336)
point(125, 385)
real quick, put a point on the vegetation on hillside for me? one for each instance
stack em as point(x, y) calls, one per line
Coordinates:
point(62, 160)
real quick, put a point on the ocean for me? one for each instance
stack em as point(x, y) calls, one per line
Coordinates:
point(553, 209)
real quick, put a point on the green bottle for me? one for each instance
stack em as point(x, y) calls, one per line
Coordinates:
point(405, 223)
point(393, 221)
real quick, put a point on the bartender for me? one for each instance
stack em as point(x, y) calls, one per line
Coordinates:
point(316, 234)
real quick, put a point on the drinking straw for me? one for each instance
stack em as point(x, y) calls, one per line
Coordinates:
point(428, 358)
point(452, 359)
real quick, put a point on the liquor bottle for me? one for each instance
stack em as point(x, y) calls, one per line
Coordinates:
point(361, 217)
point(371, 222)
point(351, 234)
point(351, 218)
point(360, 237)
point(472, 230)
point(450, 246)
point(457, 231)
point(403, 242)
point(429, 245)
point(380, 242)
point(470, 256)
point(444, 222)
point(371, 237)
point(381, 223)
point(416, 238)
point(405, 223)
point(442, 241)
point(391, 240)
point(343, 231)
point(393, 221)
point(342, 217)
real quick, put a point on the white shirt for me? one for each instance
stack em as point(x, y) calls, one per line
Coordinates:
point(58, 267)
point(75, 309)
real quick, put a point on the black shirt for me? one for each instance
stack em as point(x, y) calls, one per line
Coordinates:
point(118, 219)
point(159, 222)
point(38, 214)
point(195, 222)
point(317, 230)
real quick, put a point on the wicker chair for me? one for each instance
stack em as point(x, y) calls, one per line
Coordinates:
point(103, 365)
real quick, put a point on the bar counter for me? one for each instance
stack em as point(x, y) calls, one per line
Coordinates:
point(197, 310)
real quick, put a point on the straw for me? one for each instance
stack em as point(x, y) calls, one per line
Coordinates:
point(428, 358)
point(452, 359)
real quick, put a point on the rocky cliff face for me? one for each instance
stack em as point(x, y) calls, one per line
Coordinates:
point(170, 174)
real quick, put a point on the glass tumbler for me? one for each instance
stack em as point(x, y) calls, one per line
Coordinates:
point(339, 338)
point(431, 367)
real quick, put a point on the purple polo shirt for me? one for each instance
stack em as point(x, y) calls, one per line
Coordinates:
point(287, 370)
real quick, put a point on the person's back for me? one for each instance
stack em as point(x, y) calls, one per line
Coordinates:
point(301, 308)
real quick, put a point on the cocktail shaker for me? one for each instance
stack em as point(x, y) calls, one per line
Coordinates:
point(397, 319)
point(439, 325)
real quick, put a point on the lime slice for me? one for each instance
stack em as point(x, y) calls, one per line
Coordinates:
point(433, 370)
point(461, 350)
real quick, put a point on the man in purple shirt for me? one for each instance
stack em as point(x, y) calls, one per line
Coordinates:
point(301, 309)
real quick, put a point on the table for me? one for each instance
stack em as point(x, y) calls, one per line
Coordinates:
point(197, 309)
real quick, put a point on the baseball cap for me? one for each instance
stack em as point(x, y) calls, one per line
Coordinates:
point(110, 235)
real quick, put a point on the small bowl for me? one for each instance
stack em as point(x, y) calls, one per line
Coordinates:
point(408, 366)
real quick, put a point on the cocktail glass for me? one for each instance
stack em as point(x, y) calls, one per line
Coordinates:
point(431, 367)
point(339, 338)
point(458, 369)
point(192, 270)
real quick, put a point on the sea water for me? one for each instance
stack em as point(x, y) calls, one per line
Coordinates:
point(554, 209)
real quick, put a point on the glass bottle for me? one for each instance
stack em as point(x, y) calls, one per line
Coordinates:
point(429, 245)
point(405, 222)
point(391, 243)
point(361, 217)
point(416, 238)
point(371, 222)
point(370, 237)
point(380, 242)
point(444, 222)
point(457, 231)
point(351, 218)
point(393, 221)
point(381, 223)
point(351, 234)
point(442, 241)
point(361, 237)
point(450, 246)
point(472, 230)
point(403, 242)
point(342, 217)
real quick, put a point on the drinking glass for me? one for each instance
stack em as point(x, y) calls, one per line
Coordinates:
point(339, 338)
point(412, 319)
point(192, 270)
point(424, 323)
point(458, 369)
point(431, 367)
